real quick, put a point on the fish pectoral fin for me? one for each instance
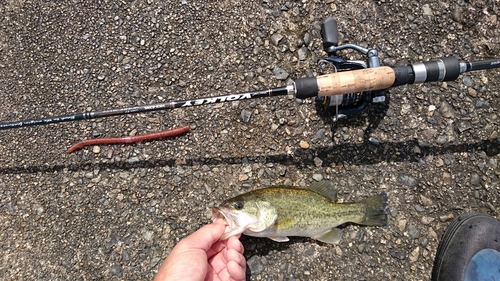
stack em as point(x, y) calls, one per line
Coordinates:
point(279, 238)
point(331, 236)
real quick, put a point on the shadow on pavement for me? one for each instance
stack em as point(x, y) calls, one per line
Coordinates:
point(364, 153)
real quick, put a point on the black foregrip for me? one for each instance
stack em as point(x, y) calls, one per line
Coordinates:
point(445, 69)
point(306, 87)
point(452, 67)
point(329, 33)
point(433, 70)
point(403, 75)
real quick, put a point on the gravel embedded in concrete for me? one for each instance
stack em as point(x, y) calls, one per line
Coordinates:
point(114, 212)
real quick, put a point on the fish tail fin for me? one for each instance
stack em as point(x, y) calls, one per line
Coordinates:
point(375, 210)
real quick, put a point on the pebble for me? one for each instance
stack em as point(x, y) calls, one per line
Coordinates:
point(133, 160)
point(431, 109)
point(467, 80)
point(447, 217)
point(426, 201)
point(96, 149)
point(276, 38)
point(477, 195)
point(424, 241)
point(416, 150)
point(441, 140)
point(148, 235)
point(283, 171)
point(482, 104)
point(447, 160)
point(302, 52)
point(317, 177)
point(177, 179)
point(474, 179)
point(116, 270)
point(407, 180)
point(246, 185)
point(493, 163)
point(245, 115)
point(413, 231)
point(427, 10)
point(243, 177)
point(427, 220)
point(419, 208)
point(397, 254)
point(279, 73)
point(101, 77)
point(414, 254)
point(255, 265)
point(472, 92)
point(446, 177)
point(318, 162)
point(405, 109)
point(494, 135)
point(464, 126)
point(304, 144)
point(320, 133)
point(126, 255)
point(402, 225)
point(446, 110)
point(307, 38)
point(246, 169)
point(154, 262)
point(393, 211)
point(374, 141)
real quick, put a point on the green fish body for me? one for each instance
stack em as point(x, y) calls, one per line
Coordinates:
point(279, 212)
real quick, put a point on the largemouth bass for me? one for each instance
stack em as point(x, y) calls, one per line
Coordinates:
point(281, 211)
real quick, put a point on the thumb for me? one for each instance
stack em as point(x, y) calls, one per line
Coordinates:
point(206, 236)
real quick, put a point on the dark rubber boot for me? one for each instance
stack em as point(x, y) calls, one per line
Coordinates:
point(465, 236)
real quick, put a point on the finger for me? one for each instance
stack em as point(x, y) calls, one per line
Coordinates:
point(235, 271)
point(205, 237)
point(235, 243)
point(233, 255)
point(216, 248)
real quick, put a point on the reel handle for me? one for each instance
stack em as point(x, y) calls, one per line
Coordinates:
point(329, 33)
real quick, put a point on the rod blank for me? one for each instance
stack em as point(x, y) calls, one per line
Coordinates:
point(146, 108)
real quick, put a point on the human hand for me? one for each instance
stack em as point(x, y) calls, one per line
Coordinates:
point(200, 256)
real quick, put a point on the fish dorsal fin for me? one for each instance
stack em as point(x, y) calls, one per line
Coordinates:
point(324, 188)
point(267, 216)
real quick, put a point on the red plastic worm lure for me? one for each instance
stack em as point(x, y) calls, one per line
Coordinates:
point(130, 139)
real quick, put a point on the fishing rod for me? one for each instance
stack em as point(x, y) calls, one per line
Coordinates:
point(356, 84)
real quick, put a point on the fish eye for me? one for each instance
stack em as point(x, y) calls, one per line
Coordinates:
point(238, 205)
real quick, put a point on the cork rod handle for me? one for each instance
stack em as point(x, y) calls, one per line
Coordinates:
point(360, 80)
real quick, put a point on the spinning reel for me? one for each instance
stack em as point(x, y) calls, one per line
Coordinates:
point(351, 103)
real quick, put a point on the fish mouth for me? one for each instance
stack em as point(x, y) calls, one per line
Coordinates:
point(220, 212)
